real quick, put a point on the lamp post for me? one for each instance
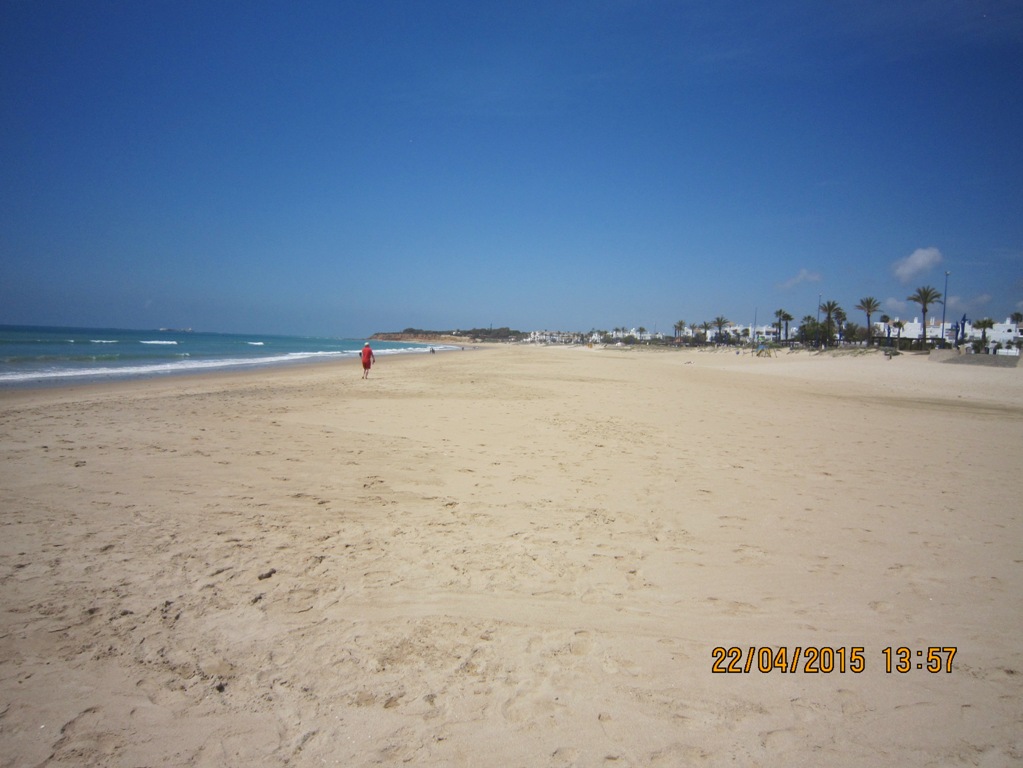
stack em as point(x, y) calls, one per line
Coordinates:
point(944, 304)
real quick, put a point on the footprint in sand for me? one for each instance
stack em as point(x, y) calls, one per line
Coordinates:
point(582, 644)
point(529, 703)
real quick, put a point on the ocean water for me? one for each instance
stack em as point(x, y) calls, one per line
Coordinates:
point(41, 356)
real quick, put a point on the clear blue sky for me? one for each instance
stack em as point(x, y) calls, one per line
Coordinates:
point(340, 168)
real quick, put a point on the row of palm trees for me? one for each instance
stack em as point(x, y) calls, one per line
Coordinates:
point(718, 322)
point(925, 296)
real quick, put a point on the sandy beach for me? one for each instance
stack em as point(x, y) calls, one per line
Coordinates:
point(517, 557)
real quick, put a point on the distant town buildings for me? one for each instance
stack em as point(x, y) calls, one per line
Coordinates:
point(1004, 338)
point(555, 337)
point(592, 337)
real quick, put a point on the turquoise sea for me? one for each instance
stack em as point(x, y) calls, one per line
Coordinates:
point(33, 356)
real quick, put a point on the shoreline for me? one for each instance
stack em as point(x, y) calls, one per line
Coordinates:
point(528, 551)
point(191, 381)
point(89, 379)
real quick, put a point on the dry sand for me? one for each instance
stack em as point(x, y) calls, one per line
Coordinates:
point(514, 557)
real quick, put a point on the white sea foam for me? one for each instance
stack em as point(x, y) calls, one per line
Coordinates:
point(183, 365)
point(180, 355)
point(299, 355)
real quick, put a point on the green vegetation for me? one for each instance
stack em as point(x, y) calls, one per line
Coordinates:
point(479, 334)
point(985, 324)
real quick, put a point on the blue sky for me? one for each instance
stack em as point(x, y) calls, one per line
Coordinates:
point(340, 168)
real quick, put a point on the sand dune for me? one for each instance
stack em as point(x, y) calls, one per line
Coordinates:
point(515, 556)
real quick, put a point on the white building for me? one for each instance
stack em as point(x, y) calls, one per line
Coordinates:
point(1007, 334)
point(592, 337)
point(554, 337)
point(620, 334)
point(747, 333)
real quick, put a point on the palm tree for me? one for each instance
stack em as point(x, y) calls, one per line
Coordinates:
point(870, 305)
point(925, 296)
point(829, 308)
point(886, 322)
point(720, 322)
point(899, 325)
point(780, 315)
point(705, 325)
point(984, 324)
point(786, 318)
point(680, 326)
point(807, 329)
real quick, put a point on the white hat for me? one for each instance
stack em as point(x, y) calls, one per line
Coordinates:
point(366, 344)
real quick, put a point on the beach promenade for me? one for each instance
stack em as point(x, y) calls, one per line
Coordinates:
point(517, 557)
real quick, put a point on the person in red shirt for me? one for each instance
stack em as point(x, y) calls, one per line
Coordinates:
point(368, 358)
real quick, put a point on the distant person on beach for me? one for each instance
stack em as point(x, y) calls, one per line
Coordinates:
point(368, 358)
